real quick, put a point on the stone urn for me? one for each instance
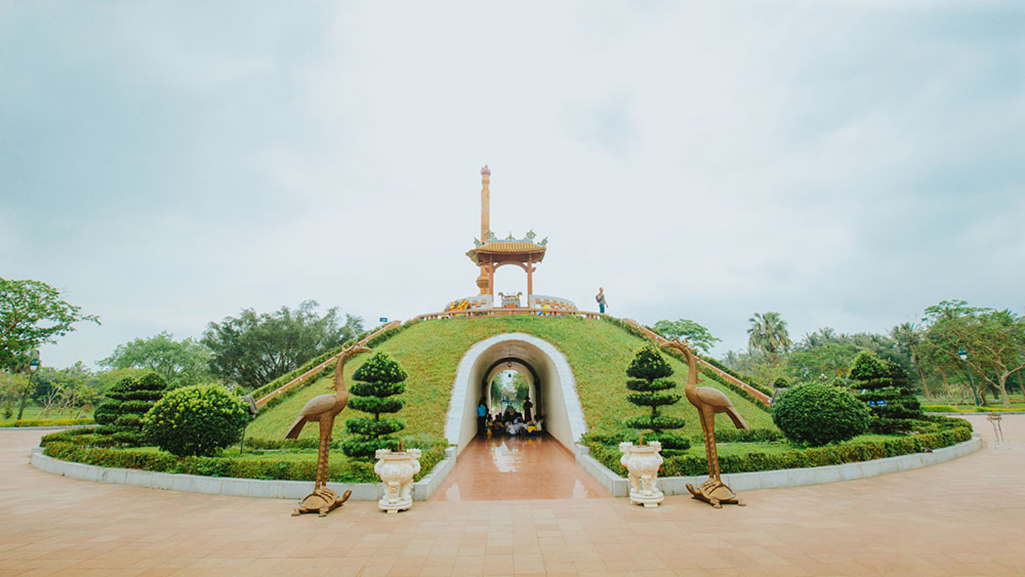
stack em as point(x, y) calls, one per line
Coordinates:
point(396, 470)
point(642, 463)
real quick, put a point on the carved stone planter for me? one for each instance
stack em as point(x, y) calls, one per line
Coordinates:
point(396, 471)
point(642, 462)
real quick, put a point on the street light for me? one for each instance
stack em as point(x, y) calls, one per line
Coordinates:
point(963, 354)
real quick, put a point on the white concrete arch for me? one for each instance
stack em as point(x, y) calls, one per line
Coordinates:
point(564, 417)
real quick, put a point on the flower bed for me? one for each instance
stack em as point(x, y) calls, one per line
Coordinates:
point(934, 432)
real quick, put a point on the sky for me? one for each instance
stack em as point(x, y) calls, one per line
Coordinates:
point(846, 164)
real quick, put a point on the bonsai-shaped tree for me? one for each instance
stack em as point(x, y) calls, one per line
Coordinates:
point(886, 388)
point(649, 374)
point(376, 380)
point(130, 399)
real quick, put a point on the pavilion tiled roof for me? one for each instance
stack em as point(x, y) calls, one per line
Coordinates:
point(507, 247)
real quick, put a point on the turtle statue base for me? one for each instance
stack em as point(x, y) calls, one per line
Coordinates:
point(715, 494)
point(321, 501)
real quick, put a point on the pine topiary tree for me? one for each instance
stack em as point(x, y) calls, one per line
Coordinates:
point(130, 399)
point(885, 388)
point(649, 374)
point(376, 380)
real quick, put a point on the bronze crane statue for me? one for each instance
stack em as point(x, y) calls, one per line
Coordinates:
point(324, 409)
point(708, 402)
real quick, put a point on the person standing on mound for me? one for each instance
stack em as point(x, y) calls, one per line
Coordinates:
point(600, 297)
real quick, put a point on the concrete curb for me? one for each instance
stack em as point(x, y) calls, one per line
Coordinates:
point(422, 489)
point(619, 487)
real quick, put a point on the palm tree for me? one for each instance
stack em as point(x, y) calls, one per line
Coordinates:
point(768, 334)
point(908, 339)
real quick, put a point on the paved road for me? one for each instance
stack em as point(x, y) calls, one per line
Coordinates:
point(960, 518)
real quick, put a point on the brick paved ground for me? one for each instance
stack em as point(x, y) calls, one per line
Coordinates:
point(958, 518)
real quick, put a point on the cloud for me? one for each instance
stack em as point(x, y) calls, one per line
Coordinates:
point(846, 165)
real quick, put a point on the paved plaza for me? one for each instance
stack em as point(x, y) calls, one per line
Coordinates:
point(965, 517)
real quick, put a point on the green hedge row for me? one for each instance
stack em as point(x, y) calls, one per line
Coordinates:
point(935, 432)
point(965, 409)
point(50, 422)
point(79, 449)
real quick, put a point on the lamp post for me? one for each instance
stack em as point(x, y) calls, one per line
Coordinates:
point(963, 354)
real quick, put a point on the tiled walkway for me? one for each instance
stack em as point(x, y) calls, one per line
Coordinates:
point(504, 468)
point(959, 518)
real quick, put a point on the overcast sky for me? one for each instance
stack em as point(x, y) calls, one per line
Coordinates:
point(843, 163)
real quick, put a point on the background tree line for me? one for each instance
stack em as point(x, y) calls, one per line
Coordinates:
point(248, 350)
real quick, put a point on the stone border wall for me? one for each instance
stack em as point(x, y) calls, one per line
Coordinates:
point(295, 490)
point(619, 486)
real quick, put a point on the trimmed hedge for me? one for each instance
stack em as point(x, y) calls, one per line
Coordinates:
point(936, 432)
point(816, 414)
point(69, 446)
point(196, 421)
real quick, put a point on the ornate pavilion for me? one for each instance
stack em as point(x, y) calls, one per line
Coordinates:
point(492, 253)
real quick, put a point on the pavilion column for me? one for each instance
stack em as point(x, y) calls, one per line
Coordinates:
point(491, 281)
point(530, 279)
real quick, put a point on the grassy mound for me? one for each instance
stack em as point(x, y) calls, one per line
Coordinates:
point(430, 351)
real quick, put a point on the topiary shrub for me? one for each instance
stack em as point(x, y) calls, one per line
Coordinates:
point(885, 387)
point(817, 413)
point(376, 380)
point(129, 400)
point(650, 372)
point(196, 421)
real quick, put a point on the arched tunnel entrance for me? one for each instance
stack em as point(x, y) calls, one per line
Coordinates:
point(517, 467)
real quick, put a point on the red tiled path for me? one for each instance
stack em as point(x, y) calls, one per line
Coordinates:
point(959, 518)
point(504, 468)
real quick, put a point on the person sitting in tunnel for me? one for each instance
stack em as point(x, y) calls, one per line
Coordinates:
point(516, 427)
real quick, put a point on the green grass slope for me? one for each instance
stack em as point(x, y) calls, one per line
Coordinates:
point(430, 351)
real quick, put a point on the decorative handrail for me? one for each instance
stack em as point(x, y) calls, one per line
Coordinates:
point(508, 311)
point(723, 374)
point(263, 400)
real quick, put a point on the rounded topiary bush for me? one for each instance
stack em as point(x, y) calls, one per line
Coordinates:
point(196, 421)
point(818, 413)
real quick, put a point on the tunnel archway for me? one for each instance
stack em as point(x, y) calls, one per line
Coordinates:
point(555, 387)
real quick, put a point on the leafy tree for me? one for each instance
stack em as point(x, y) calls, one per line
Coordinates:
point(254, 349)
point(195, 421)
point(181, 363)
point(994, 341)
point(827, 361)
point(649, 374)
point(907, 338)
point(697, 334)
point(130, 399)
point(12, 388)
point(885, 388)
point(32, 313)
point(521, 388)
point(377, 380)
point(768, 334)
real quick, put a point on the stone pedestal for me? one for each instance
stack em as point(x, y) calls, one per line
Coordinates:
point(396, 470)
point(642, 463)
